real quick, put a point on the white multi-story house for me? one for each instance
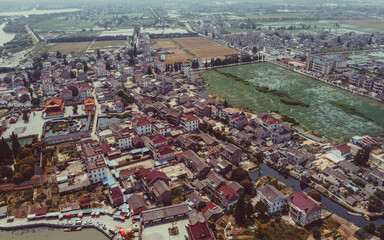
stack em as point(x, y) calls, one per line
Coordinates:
point(142, 126)
point(190, 123)
point(272, 197)
point(161, 128)
point(123, 140)
point(45, 78)
point(48, 89)
point(92, 151)
point(270, 124)
point(85, 91)
point(302, 209)
point(46, 64)
point(97, 170)
point(164, 153)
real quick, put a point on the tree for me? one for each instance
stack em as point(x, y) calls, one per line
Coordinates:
point(17, 178)
point(249, 209)
point(25, 116)
point(74, 108)
point(261, 208)
point(239, 174)
point(202, 205)
point(374, 204)
point(362, 156)
point(314, 194)
point(316, 233)
point(129, 235)
point(240, 210)
point(149, 71)
point(248, 186)
point(6, 153)
point(15, 145)
point(6, 171)
point(85, 67)
point(35, 102)
point(370, 228)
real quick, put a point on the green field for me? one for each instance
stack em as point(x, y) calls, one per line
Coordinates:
point(321, 26)
point(329, 111)
point(59, 24)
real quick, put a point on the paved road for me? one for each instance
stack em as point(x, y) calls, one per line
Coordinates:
point(96, 116)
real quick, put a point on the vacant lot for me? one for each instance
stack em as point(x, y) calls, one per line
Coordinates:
point(178, 54)
point(187, 48)
point(107, 44)
point(376, 24)
point(69, 47)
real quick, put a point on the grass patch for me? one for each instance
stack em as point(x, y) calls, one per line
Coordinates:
point(280, 230)
point(284, 97)
point(60, 24)
point(349, 109)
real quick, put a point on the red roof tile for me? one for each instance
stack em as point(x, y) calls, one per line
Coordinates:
point(155, 174)
point(199, 231)
point(302, 201)
point(227, 192)
point(189, 118)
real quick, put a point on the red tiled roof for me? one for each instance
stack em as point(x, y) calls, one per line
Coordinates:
point(105, 147)
point(158, 139)
point(199, 231)
point(164, 150)
point(153, 175)
point(189, 118)
point(141, 173)
point(227, 192)
point(270, 121)
point(302, 201)
point(210, 205)
point(344, 148)
point(141, 122)
point(115, 193)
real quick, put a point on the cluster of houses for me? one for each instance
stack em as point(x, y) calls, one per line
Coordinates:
point(169, 126)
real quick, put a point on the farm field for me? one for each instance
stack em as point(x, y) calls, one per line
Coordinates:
point(331, 112)
point(375, 24)
point(59, 24)
point(278, 16)
point(190, 47)
point(179, 54)
point(321, 26)
point(68, 47)
point(106, 44)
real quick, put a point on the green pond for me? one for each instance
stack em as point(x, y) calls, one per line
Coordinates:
point(327, 110)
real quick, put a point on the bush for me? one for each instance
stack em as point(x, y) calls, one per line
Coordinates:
point(316, 233)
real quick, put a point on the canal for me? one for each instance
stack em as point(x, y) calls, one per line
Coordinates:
point(5, 37)
point(44, 233)
point(329, 204)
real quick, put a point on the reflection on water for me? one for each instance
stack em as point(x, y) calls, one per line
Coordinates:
point(5, 37)
point(51, 233)
point(38, 12)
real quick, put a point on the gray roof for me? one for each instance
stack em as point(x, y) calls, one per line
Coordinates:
point(163, 212)
point(136, 202)
point(197, 161)
point(232, 148)
point(270, 193)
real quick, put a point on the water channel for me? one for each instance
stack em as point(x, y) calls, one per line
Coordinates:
point(5, 37)
point(326, 202)
point(44, 233)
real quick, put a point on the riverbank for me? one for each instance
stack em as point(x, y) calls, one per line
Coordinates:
point(329, 203)
point(49, 233)
point(54, 222)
